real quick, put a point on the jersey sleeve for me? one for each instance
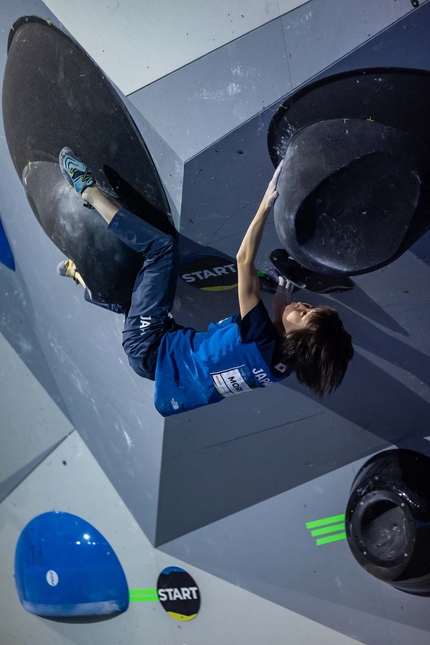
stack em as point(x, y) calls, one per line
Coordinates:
point(257, 327)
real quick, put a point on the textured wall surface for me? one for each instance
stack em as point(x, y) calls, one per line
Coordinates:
point(225, 491)
point(137, 44)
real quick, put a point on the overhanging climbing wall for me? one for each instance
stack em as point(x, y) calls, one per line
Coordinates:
point(239, 489)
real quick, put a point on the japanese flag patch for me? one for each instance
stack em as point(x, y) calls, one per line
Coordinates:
point(281, 367)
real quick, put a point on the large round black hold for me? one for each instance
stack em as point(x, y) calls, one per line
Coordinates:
point(54, 95)
point(354, 190)
point(388, 519)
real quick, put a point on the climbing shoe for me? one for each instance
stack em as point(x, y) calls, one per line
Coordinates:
point(75, 171)
point(68, 269)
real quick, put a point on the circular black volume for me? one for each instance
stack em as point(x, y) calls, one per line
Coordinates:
point(388, 519)
point(54, 95)
point(354, 188)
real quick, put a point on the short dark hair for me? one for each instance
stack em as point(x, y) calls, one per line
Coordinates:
point(319, 353)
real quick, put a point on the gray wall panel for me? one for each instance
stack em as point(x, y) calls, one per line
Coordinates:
point(203, 101)
point(228, 613)
point(16, 325)
point(405, 44)
point(385, 394)
point(13, 481)
point(225, 183)
point(169, 166)
point(376, 312)
point(268, 550)
point(203, 485)
point(240, 455)
point(137, 43)
point(16, 309)
point(323, 31)
point(107, 403)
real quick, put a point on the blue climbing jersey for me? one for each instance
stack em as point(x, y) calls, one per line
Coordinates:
point(233, 356)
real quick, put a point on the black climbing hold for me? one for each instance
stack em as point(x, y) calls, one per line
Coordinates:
point(54, 95)
point(388, 519)
point(303, 278)
point(354, 190)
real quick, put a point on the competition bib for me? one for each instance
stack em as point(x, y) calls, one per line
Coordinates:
point(229, 382)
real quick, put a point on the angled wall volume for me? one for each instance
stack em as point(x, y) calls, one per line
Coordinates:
point(6, 255)
point(230, 489)
point(43, 71)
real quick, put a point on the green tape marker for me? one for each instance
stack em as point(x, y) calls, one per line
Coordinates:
point(143, 595)
point(331, 538)
point(328, 529)
point(325, 521)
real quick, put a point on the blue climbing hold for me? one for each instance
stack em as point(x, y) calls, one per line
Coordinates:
point(64, 567)
point(6, 256)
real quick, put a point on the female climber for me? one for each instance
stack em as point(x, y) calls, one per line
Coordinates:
point(238, 354)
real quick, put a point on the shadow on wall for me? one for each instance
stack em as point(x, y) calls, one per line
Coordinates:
point(209, 473)
point(217, 464)
point(204, 485)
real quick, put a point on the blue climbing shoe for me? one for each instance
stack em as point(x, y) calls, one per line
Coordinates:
point(75, 171)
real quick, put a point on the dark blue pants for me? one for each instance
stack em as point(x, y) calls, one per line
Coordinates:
point(146, 315)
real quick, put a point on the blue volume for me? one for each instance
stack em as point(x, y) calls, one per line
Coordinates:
point(6, 256)
point(64, 567)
